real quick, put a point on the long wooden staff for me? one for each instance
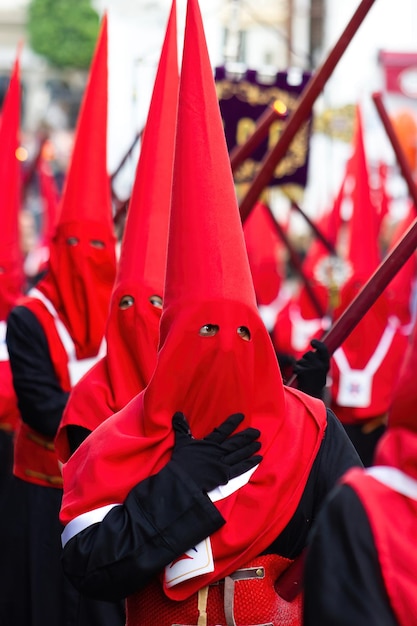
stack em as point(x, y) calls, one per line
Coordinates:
point(316, 230)
point(126, 155)
point(302, 111)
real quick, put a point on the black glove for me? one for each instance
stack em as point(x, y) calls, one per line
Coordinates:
point(311, 370)
point(220, 456)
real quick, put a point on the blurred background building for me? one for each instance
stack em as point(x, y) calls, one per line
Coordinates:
point(267, 36)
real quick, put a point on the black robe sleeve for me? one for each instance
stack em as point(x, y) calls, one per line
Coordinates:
point(166, 514)
point(343, 582)
point(163, 516)
point(335, 457)
point(41, 400)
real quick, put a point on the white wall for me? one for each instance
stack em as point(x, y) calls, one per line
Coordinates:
point(389, 25)
point(136, 32)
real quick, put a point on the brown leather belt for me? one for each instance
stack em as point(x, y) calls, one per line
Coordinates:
point(229, 596)
point(53, 480)
point(45, 443)
point(8, 428)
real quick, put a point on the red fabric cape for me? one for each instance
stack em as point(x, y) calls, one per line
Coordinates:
point(404, 406)
point(207, 379)
point(57, 351)
point(394, 533)
point(88, 405)
point(264, 251)
point(359, 348)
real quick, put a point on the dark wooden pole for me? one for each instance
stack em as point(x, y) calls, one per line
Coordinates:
point(126, 155)
point(302, 111)
point(326, 243)
point(120, 206)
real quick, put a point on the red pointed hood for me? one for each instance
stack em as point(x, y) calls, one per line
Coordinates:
point(375, 329)
point(400, 290)
point(208, 279)
point(86, 193)
point(11, 259)
point(363, 251)
point(264, 250)
point(362, 233)
point(203, 192)
point(206, 366)
point(398, 447)
point(133, 332)
point(82, 262)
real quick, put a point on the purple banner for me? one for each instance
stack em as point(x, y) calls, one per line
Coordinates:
point(243, 98)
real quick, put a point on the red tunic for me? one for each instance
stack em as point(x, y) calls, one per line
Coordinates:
point(223, 600)
point(395, 539)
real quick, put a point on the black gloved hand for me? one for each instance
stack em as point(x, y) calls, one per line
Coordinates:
point(220, 456)
point(311, 370)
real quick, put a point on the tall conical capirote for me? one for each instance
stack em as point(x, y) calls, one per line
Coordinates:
point(375, 346)
point(86, 194)
point(264, 249)
point(401, 288)
point(82, 261)
point(145, 238)
point(363, 251)
point(133, 333)
point(11, 258)
point(206, 252)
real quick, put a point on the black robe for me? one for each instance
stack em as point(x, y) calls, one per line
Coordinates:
point(166, 514)
point(33, 588)
point(343, 579)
